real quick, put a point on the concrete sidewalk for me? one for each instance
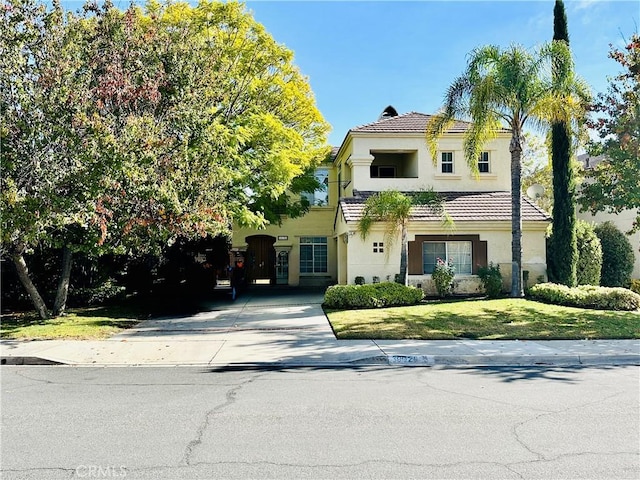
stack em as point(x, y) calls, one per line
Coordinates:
point(290, 329)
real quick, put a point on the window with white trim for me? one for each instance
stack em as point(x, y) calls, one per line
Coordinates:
point(484, 165)
point(313, 254)
point(446, 162)
point(458, 252)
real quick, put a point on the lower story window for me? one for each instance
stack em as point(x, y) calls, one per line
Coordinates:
point(458, 252)
point(313, 254)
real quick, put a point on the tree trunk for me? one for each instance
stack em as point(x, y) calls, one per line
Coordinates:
point(63, 284)
point(404, 248)
point(23, 275)
point(516, 216)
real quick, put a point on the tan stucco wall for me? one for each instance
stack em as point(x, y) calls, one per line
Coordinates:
point(624, 221)
point(318, 223)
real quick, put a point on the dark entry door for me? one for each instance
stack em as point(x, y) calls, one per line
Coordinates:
point(261, 258)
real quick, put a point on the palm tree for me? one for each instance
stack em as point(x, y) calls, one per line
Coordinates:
point(393, 208)
point(513, 87)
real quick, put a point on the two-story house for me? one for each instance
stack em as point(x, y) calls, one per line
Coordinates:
point(325, 247)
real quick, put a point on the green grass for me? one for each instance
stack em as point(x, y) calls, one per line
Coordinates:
point(78, 324)
point(503, 319)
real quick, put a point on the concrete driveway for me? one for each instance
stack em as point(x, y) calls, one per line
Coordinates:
point(264, 326)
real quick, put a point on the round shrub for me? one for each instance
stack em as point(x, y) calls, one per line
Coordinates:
point(617, 256)
point(589, 254)
point(442, 276)
point(586, 296)
point(378, 295)
point(491, 279)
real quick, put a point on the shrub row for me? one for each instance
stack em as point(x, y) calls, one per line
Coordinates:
point(586, 296)
point(377, 295)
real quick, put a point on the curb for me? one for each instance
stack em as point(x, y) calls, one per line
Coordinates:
point(27, 361)
point(512, 360)
point(390, 360)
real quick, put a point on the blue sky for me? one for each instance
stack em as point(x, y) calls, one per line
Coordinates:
point(361, 56)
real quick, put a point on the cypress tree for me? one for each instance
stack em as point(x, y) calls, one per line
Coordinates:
point(564, 248)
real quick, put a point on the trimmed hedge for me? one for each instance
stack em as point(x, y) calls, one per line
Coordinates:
point(377, 295)
point(586, 296)
point(589, 263)
point(617, 256)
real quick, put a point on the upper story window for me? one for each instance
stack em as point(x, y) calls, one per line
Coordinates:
point(380, 171)
point(484, 165)
point(446, 162)
point(321, 196)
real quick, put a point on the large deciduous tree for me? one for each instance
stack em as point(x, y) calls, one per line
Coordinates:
point(126, 130)
point(512, 88)
point(46, 179)
point(563, 251)
point(613, 184)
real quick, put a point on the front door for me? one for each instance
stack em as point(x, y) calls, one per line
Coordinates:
point(261, 259)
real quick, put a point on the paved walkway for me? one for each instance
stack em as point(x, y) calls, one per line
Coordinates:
point(290, 329)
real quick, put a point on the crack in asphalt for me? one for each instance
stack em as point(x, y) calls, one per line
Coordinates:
point(541, 457)
point(230, 400)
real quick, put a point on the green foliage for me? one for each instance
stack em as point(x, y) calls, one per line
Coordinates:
point(442, 276)
point(635, 286)
point(613, 184)
point(617, 256)
point(512, 87)
point(126, 130)
point(586, 296)
point(564, 244)
point(109, 290)
point(491, 279)
point(378, 295)
point(589, 263)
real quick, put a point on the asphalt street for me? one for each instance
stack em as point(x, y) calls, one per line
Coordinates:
point(369, 422)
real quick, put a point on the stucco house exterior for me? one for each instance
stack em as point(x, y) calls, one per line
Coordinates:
point(325, 247)
point(623, 220)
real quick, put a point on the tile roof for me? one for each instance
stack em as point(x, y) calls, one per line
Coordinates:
point(412, 122)
point(461, 206)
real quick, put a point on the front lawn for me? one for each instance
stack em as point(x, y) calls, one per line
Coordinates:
point(79, 324)
point(503, 319)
